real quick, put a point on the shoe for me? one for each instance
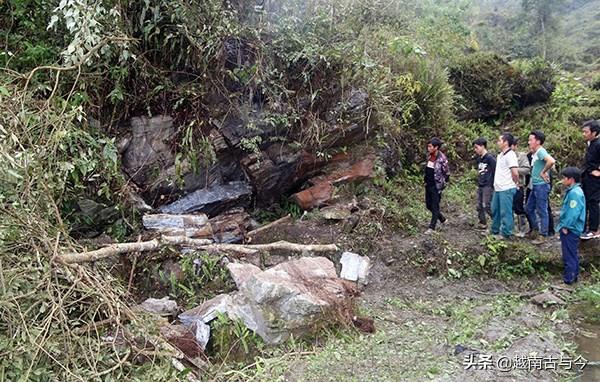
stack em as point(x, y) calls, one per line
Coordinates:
point(533, 234)
point(570, 282)
point(498, 237)
point(429, 231)
point(482, 226)
point(520, 234)
point(588, 236)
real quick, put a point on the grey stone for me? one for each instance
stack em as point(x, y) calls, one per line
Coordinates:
point(211, 200)
point(202, 333)
point(208, 311)
point(161, 307)
point(149, 148)
point(286, 299)
point(355, 267)
point(242, 272)
point(335, 213)
point(185, 225)
point(547, 299)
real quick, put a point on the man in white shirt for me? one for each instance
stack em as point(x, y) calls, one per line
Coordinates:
point(506, 181)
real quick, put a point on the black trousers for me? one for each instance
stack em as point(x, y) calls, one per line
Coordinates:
point(432, 201)
point(591, 189)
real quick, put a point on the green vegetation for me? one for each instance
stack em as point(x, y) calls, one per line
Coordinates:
point(73, 72)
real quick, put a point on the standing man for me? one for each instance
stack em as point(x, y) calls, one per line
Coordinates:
point(486, 166)
point(437, 174)
point(591, 178)
point(537, 204)
point(519, 201)
point(506, 180)
point(572, 223)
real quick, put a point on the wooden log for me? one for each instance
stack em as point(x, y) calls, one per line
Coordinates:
point(201, 244)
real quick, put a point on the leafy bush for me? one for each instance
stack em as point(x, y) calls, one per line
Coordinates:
point(486, 85)
point(537, 81)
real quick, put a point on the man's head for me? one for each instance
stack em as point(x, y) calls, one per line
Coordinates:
point(591, 130)
point(515, 145)
point(570, 176)
point(536, 139)
point(505, 141)
point(434, 145)
point(480, 146)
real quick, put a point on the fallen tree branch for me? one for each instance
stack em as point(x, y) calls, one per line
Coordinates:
point(202, 244)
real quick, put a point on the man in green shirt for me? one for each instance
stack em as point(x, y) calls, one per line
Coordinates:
point(537, 205)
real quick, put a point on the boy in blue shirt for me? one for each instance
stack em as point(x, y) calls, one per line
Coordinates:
point(572, 223)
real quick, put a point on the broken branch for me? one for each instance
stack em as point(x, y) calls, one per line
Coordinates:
point(202, 244)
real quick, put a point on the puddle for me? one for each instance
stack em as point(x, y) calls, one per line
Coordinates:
point(588, 342)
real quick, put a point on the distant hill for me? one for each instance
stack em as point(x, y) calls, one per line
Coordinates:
point(502, 26)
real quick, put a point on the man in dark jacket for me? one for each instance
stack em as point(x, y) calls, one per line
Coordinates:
point(486, 165)
point(590, 178)
point(436, 176)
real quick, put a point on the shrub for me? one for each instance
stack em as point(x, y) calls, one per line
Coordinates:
point(486, 85)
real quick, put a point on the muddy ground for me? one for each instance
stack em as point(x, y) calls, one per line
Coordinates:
point(434, 314)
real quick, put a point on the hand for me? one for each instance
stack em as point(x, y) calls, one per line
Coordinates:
point(595, 173)
point(565, 231)
point(545, 176)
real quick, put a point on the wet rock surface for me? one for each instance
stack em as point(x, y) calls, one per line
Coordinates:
point(211, 200)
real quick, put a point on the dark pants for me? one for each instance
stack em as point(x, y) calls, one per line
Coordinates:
point(484, 202)
point(519, 202)
point(432, 201)
point(569, 243)
point(591, 189)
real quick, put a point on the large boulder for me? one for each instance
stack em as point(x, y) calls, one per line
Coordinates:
point(290, 298)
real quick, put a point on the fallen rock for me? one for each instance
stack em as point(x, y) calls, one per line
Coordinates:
point(322, 187)
point(207, 311)
point(231, 226)
point(287, 299)
point(194, 226)
point(161, 307)
point(335, 213)
point(355, 267)
point(242, 272)
point(314, 196)
point(183, 339)
point(211, 200)
point(547, 299)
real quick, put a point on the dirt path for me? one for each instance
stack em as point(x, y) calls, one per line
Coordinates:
point(433, 323)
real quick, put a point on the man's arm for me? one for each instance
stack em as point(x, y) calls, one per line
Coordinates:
point(550, 161)
point(515, 175)
point(524, 166)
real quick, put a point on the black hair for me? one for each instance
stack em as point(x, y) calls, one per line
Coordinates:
point(539, 136)
point(435, 142)
point(508, 138)
point(480, 142)
point(572, 172)
point(593, 125)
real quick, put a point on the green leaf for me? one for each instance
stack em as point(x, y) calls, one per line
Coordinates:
point(4, 91)
point(481, 260)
